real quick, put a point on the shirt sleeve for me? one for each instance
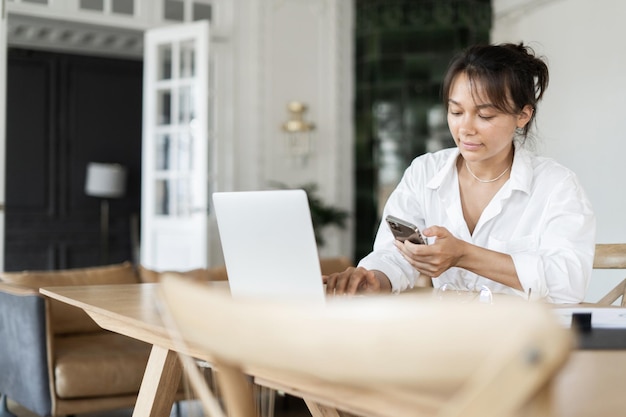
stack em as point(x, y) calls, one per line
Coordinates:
point(560, 269)
point(385, 257)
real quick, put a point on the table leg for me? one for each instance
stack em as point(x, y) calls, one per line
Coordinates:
point(159, 385)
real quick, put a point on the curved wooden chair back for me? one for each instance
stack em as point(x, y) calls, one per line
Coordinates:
point(335, 264)
point(410, 355)
point(612, 256)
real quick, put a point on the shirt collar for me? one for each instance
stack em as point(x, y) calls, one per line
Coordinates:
point(446, 171)
point(521, 170)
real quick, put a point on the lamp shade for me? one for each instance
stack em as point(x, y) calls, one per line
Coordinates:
point(105, 180)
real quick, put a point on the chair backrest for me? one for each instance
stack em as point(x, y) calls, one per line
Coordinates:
point(612, 256)
point(335, 264)
point(444, 357)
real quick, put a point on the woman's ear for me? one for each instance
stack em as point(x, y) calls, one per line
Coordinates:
point(525, 115)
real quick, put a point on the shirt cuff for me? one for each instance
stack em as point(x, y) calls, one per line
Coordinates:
point(530, 272)
point(399, 277)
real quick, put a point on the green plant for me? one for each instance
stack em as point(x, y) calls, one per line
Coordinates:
point(322, 214)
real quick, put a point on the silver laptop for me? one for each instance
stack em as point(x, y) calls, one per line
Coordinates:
point(269, 245)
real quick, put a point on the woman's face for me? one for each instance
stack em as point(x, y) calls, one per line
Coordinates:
point(482, 132)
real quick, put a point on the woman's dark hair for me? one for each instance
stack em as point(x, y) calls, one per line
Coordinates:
point(510, 75)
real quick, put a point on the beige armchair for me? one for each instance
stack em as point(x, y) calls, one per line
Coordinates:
point(54, 359)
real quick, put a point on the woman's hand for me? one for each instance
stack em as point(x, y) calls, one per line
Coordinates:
point(356, 280)
point(433, 260)
point(448, 251)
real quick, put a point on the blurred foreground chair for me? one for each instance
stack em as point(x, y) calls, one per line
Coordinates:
point(266, 396)
point(612, 256)
point(410, 356)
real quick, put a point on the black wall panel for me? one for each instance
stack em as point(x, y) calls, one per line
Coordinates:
point(64, 111)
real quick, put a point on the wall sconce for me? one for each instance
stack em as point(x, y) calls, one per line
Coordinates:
point(105, 181)
point(298, 131)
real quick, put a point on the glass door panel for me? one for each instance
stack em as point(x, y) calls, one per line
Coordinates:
point(162, 153)
point(184, 152)
point(161, 198)
point(176, 137)
point(185, 106)
point(187, 59)
point(164, 110)
point(165, 62)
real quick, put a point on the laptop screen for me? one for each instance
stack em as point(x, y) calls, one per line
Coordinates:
point(269, 245)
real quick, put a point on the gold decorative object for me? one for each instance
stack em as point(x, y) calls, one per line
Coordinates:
point(298, 131)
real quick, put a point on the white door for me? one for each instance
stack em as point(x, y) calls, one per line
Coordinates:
point(3, 90)
point(176, 148)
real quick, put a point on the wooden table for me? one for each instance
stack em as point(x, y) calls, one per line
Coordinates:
point(590, 385)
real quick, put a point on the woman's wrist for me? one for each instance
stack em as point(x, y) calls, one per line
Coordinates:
point(385, 283)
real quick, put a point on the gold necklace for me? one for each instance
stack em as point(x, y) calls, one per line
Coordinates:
point(486, 181)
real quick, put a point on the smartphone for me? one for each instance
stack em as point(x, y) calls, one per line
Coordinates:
point(403, 230)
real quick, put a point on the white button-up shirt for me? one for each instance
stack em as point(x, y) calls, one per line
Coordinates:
point(541, 217)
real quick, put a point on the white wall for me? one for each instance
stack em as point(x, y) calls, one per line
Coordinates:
point(581, 121)
point(295, 50)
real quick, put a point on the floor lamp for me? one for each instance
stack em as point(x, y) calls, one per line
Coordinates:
point(105, 181)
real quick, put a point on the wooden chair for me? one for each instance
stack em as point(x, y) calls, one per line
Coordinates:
point(266, 396)
point(335, 264)
point(377, 356)
point(612, 256)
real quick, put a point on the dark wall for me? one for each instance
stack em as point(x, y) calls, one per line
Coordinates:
point(402, 50)
point(64, 111)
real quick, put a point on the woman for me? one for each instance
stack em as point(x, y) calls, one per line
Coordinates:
point(495, 215)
